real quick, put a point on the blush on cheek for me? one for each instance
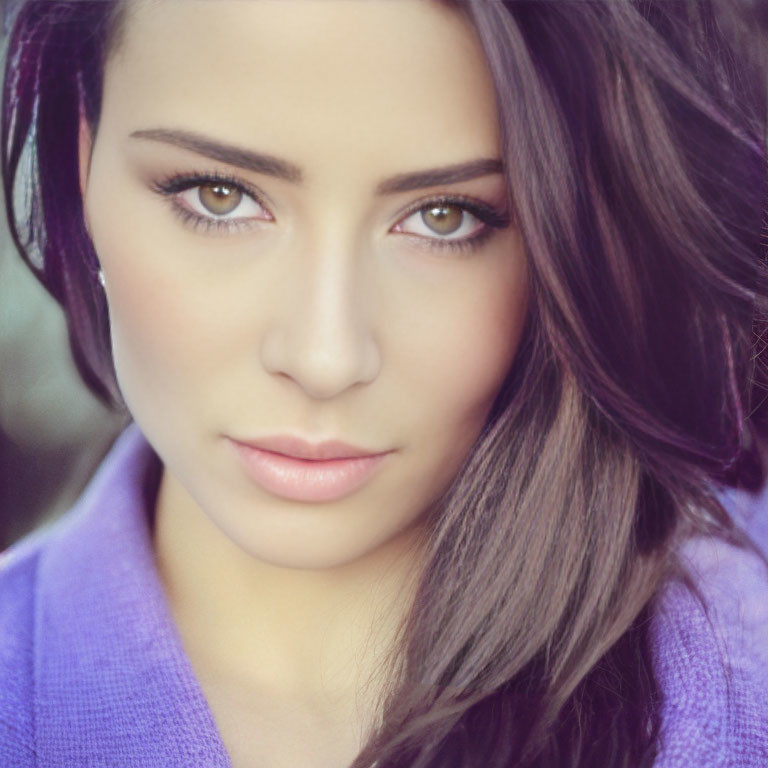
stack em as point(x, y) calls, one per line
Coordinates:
point(150, 331)
point(480, 348)
point(486, 353)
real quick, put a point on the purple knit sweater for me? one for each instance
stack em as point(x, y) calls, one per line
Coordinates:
point(93, 671)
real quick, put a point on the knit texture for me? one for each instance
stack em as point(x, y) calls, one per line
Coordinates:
point(93, 671)
point(712, 658)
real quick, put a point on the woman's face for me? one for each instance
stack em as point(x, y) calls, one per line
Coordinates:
point(299, 211)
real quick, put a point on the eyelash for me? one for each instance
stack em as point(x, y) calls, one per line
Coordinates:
point(174, 185)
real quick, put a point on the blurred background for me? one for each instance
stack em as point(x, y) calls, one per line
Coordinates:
point(53, 433)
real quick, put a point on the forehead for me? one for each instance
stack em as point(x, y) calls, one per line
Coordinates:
point(382, 81)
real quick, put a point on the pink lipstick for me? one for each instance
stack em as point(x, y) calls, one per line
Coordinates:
point(297, 470)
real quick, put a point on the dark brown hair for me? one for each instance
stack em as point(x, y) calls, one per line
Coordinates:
point(634, 138)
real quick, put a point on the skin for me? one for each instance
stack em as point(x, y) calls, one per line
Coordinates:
point(318, 317)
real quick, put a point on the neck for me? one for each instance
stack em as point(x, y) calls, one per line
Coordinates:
point(300, 634)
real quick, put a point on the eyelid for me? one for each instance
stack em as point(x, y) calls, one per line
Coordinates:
point(482, 210)
point(490, 218)
point(172, 186)
point(178, 182)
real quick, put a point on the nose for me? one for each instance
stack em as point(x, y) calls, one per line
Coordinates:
point(321, 336)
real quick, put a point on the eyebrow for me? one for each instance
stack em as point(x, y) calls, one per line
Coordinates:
point(270, 165)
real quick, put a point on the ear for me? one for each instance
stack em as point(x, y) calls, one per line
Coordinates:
point(84, 144)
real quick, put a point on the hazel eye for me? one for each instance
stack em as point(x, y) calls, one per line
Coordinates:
point(442, 219)
point(221, 200)
point(447, 221)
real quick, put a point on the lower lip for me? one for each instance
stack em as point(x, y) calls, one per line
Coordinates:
point(306, 480)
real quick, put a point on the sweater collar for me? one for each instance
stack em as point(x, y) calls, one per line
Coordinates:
point(113, 684)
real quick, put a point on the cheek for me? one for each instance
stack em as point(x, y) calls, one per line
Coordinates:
point(469, 343)
point(151, 336)
point(163, 324)
point(459, 350)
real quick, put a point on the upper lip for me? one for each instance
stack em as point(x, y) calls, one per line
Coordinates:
point(299, 448)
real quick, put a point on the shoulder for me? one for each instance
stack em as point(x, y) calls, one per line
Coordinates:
point(47, 588)
point(43, 583)
point(710, 648)
point(18, 578)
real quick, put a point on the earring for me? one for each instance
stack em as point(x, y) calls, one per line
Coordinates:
point(102, 279)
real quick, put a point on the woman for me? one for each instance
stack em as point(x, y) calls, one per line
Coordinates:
point(438, 326)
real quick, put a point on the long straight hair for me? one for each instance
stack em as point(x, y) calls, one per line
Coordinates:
point(634, 146)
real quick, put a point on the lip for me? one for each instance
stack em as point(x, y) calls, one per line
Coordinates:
point(297, 448)
point(297, 470)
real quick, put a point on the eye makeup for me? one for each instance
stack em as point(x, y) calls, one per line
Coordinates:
point(491, 219)
point(170, 188)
